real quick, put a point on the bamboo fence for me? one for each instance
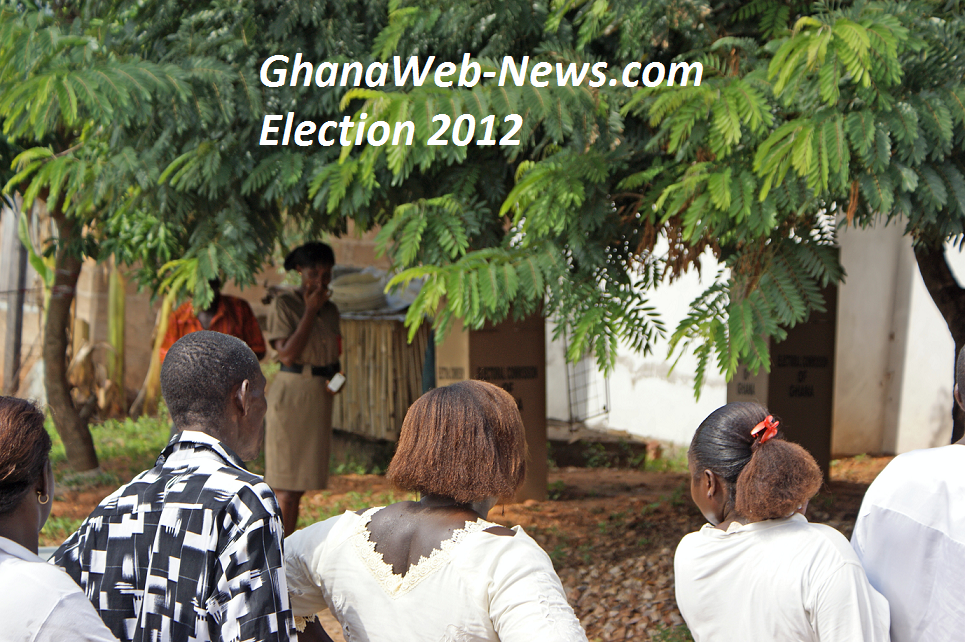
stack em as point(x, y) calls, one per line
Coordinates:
point(383, 375)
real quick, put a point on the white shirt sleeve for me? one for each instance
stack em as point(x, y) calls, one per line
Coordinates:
point(303, 550)
point(527, 600)
point(74, 618)
point(846, 607)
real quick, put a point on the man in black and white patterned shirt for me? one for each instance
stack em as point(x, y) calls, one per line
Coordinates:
point(191, 550)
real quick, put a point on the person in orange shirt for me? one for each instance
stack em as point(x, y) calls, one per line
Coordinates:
point(226, 314)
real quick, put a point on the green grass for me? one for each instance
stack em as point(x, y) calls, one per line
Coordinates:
point(585, 552)
point(57, 529)
point(680, 495)
point(353, 501)
point(679, 633)
point(638, 460)
point(676, 463)
point(124, 449)
point(352, 466)
point(555, 490)
point(651, 507)
point(558, 555)
point(550, 459)
point(127, 447)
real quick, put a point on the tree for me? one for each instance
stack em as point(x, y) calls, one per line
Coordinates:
point(140, 122)
point(803, 115)
point(62, 91)
point(601, 174)
point(874, 112)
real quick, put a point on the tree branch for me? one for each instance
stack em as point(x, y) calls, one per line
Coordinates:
point(944, 289)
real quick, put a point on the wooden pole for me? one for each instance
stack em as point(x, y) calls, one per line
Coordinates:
point(13, 283)
point(147, 398)
point(115, 330)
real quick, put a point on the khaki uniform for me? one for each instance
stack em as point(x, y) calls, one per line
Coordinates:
point(298, 428)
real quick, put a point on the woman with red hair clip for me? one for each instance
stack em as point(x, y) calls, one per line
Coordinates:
point(759, 570)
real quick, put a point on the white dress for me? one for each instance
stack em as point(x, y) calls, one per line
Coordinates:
point(477, 586)
point(780, 579)
point(910, 537)
point(40, 603)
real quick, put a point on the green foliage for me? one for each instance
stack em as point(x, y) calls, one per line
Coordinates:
point(59, 87)
point(351, 466)
point(596, 455)
point(805, 114)
point(38, 262)
point(602, 174)
point(141, 121)
point(790, 128)
point(555, 490)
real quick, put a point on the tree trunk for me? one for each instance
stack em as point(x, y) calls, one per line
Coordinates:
point(949, 297)
point(70, 426)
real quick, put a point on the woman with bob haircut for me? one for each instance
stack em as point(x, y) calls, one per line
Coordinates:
point(759, 570)
point(38, 601)
point(435, 569)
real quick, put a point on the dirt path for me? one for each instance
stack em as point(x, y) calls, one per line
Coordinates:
point(610, 532)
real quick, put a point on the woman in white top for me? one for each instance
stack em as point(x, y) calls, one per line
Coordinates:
point(435, 569)
point(760, 570)
point(38, 601)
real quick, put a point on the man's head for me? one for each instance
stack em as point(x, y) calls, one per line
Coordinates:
point(212, 383)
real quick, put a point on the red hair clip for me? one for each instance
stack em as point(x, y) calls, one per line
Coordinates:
point(769, 426)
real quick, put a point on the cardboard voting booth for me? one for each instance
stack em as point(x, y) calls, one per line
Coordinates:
point(799, 389)
point(511, 355)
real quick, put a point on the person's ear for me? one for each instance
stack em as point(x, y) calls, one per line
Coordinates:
point(958, 397)
point(716, 492)
point(243, 397)
point(45, 483)
point(709, 484)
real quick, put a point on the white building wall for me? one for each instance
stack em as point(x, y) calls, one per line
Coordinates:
point(871, 313)
point(646, 399)
point(31, 335)
point(925, 413)
point(925, 418)
point(894, 359)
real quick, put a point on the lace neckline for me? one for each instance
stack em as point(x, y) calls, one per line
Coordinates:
point(398, 585)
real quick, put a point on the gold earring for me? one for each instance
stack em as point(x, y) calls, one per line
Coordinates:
point(43, 498)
